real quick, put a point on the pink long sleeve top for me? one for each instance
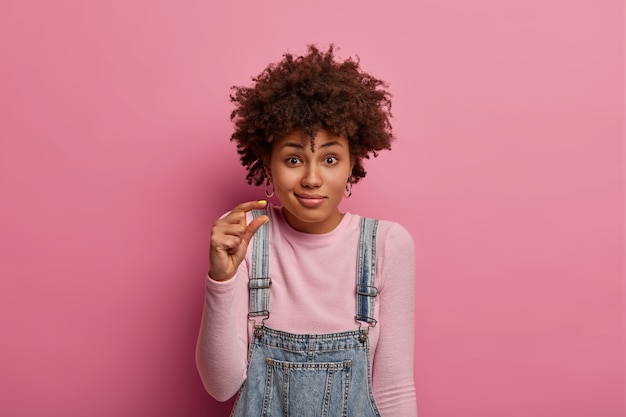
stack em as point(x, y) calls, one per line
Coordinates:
point(313, 291)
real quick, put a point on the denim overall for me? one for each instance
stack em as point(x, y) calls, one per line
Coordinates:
point(302, 375)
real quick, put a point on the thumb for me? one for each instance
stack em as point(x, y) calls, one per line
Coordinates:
point(253, 226)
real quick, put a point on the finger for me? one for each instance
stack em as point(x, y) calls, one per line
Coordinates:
point(238, 214)
point(227, 244)
point(227, 229)
point(250, 205)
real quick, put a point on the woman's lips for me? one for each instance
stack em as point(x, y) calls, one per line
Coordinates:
point(310, 200)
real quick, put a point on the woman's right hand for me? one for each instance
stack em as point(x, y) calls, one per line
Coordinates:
point(230, 237)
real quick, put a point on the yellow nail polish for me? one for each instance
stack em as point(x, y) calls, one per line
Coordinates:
point(262, 202)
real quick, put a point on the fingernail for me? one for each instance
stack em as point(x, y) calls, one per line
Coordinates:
point(266, 220)
point(262, 202)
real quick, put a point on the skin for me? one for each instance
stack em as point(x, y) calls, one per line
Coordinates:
point(309, 183)
point(230, 237)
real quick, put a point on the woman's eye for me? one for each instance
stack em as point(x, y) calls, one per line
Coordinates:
point(292, 160)
point(330, 160)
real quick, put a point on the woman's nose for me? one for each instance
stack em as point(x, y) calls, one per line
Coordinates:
point(311, 178)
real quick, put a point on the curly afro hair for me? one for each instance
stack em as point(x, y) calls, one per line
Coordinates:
point(308, 93)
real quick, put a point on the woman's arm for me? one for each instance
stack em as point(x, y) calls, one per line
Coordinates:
point(221, 350)
point(392, 374)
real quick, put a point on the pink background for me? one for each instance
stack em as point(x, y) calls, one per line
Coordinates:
point(508, 171)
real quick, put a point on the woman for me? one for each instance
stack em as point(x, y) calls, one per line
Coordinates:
point(308, 310)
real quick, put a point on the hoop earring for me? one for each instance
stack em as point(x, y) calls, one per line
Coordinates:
point(268, 182)
point(348, 192)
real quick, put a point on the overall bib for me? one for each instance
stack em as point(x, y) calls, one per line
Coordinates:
point(309, 375)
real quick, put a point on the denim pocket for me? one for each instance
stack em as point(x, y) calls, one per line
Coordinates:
point(306, 388)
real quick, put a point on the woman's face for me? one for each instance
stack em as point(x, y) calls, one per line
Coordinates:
point(311, 183)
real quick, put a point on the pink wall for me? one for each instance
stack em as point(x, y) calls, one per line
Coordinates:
point(508, 170)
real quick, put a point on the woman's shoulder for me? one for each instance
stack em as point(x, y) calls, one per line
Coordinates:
point(394, 231)
point(391, 236)
point(395, 253)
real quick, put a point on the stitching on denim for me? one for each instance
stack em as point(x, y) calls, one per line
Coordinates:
point(259, 280)
point(366, 290)
point(268, 390)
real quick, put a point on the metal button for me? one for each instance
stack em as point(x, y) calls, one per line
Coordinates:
point(258, 331)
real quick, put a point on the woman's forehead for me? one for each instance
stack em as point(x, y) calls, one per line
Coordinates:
point(298, 140)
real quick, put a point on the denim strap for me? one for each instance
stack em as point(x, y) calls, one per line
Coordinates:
point(366, 292)
point(260, 282)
